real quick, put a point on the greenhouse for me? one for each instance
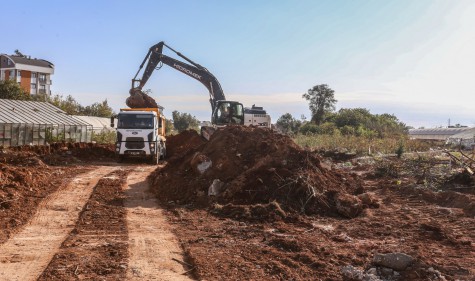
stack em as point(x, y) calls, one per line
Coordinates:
point(465, 138)
point(39, 123)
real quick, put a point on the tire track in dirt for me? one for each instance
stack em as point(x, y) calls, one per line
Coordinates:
point(97, 247)
point(153, 249)
point(25, 255)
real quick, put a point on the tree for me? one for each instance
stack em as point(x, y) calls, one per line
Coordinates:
point(68, 104)
point(18, 53)
point(10, 89)
point(99, 109)
point(184, 121)
point(353, 117)
point(168, 126)
point(288, 124)
point(321, 101)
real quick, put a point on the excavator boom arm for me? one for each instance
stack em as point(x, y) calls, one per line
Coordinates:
point(155, 56)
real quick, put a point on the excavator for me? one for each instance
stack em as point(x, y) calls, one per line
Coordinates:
point(224, 112)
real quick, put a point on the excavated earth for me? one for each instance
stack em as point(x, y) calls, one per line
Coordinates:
point(250, 204)
point(249, 166)
point(30, 173)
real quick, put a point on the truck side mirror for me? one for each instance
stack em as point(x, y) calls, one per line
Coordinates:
point(112, 121)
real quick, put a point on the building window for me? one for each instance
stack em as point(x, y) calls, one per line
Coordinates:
point(33, 88)
point(42, 89)
point(18, 73)
point(42, 78)
point(33, 75)
point(9, 62)
point(12, 74)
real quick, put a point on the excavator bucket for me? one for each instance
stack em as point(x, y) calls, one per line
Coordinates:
point(207, 131)
point(139, 99)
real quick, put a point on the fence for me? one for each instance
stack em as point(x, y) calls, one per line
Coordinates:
point(15, 134)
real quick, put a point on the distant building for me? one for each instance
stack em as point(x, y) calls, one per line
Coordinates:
point(33, 75)
point(441, 134)
point(465, 138)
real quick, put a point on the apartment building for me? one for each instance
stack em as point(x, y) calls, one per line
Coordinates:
point(33, 75)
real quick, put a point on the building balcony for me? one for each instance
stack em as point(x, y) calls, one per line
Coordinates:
point(41, 82)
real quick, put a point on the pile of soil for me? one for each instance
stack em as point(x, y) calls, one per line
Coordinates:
point(248, 166)
point(178, 145)
point(25, 180)
point(27, 175)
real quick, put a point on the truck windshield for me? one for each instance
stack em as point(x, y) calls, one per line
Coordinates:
point(135, 121)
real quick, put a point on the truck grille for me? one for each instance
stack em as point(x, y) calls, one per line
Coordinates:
point(134, 143)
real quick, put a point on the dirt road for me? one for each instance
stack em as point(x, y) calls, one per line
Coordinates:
point(154, 253)
point(26, 254)
point(87, 229)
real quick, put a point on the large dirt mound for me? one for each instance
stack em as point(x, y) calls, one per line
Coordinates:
point(178, 145)
point(247, 166)
point(25, 179)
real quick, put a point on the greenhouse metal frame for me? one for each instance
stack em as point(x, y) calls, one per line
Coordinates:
point(39, 123)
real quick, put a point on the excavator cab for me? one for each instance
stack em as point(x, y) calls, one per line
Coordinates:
point(225, 113)
point(228, 113)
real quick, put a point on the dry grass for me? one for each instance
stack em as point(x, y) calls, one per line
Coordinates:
point(361, 145)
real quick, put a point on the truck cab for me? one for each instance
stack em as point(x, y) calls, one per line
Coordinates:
point(140, 134)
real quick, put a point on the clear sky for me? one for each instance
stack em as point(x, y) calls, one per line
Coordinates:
point(414, 59)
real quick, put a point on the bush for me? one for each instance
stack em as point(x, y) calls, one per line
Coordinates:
point(309, 128)
point(329, 128)
point(400, 150)
point(359, 144)
point(347, 130)
point(104, 137)
point(184, 121)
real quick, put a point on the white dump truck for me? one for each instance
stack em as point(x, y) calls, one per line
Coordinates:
point(140, 134)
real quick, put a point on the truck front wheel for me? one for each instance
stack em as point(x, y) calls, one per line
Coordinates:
point(154, 159)
point(163, 152)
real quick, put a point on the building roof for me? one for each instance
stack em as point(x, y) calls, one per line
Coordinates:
point(467, 134)
point(30, 61)
point(35, 112)
point(98, 122)
point(437, 131)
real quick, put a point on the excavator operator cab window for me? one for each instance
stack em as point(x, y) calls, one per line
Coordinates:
point(230, 113)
